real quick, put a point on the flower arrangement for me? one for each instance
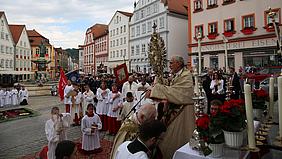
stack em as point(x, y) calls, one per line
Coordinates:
point(259, 97)
point(232, 115)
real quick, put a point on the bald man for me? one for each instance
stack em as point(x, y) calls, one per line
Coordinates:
point(130, 127)
point(178, 92)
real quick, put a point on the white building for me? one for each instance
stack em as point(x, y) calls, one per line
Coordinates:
point(81, 58)
point(23, 52)
point(246, 26)
point(119, 40)
point(6, 46)
point(172, 24)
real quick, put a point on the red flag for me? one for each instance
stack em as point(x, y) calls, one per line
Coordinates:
point(62, 84)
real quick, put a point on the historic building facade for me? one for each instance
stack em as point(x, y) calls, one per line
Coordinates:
point(22, 52)
point(119, 40)
point(171, 20)
point(242, 27)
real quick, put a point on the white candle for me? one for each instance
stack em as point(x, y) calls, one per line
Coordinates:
point(271, 97)
point(249, 114)
point(280, 105)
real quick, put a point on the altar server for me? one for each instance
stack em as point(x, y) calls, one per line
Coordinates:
point(55, 130)
point(90, 126)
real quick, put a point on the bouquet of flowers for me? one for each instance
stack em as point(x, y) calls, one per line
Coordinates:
point(259, 97)
point(232, 115)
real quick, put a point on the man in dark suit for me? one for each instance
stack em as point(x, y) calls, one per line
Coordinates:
point(235, 82)
point(206, 87)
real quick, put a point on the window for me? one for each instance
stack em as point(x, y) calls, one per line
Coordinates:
point(2, 35)
point(132, 32)
point(111, 32)
point(155, 8)
point(120, 41)
point(2, 22)
point(7, 49)
point(7, 37)
point(111, 43)
point(132, 50)
point(120, 53)
point(277, 17)
point(124, 28)
point(124, 52)
point(124, 40)
point(197, 5)
point(7, 64)
point(149, 25)
point(2, 48)
point(117, 53)
point(155, 22)
point(199, 29)
point(114, 32)
point(142, 14)
point(117, 31)
point(148, 11)
point(249, 21)
point(144, 28)
point(227, 2)
point(137, 49)
point(229, 25)
point(143, 48)
point(212, 2)
point(213, 28)
point(162, 22)
point(137, 16)
point(117, 42)
point(138, 31)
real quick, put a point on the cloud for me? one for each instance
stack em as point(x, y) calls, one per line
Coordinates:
point(64, 22)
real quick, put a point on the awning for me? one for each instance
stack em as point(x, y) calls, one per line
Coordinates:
point(6, 72)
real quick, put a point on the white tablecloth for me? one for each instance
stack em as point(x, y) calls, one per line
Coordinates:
point(186, 152)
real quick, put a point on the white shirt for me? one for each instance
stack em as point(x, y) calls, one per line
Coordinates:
point(23, 94)
point(220, 89)
point(123, 153)
point(67, 100)
point(126, 87)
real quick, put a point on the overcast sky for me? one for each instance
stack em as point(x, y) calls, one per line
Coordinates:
point(63, 22)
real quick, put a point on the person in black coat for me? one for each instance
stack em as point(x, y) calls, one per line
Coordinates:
point(206, 87)
point(235, 82)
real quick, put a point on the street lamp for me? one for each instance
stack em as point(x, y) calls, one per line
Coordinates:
point(272, 15)
point(199, 37)
point(226, 53)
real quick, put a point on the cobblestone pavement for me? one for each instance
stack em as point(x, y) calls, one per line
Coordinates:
point(27, 136)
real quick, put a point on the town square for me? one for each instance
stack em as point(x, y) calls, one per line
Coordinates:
point(142, 79)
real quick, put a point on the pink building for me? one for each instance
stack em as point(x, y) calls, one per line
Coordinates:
point(95, 48)
point(246, 26)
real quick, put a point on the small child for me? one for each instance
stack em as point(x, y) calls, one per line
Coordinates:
point(115, 100)
point(126, 107)
point(90, 126)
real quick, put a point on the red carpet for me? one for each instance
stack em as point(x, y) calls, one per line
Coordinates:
point(105, 145)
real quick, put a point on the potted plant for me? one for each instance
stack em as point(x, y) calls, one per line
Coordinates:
point(233, 118)
point(259, 96)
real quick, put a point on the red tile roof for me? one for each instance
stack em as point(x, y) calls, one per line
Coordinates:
point(16, 31)
point(35, 38)
point(99, 30)
point(176, 6)
point(125, 13)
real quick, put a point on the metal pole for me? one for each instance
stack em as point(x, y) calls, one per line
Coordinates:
point(199, 53)
point(226, 53)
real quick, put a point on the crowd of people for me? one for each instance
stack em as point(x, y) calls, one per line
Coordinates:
point(139, 112)
point(18, 95)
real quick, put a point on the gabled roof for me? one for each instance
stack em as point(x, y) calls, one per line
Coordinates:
point(176, 6)
point(16, 31)
point(125, 13)
point(35, 38)
point(99, 30)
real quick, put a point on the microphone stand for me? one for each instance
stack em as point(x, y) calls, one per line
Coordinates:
point(134, 107)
